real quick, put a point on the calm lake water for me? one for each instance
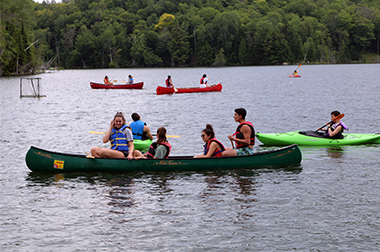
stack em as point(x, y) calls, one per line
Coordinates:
point(330, 202)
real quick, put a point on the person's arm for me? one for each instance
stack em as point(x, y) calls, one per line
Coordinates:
point(107, 136)
point(131, 149)
point(211, 150)
point(336, 131)
point(128, 134)
point(148, 133)
point(246, 131)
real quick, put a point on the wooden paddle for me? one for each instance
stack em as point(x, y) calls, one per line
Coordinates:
point(101, 133)
point(336, 118)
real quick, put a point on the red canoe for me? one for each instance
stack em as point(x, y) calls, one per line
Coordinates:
point(138, 85)
point(165, 90)
point(294, 76)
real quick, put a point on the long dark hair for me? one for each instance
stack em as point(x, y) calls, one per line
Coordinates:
point(161, 135)
point(209, 131)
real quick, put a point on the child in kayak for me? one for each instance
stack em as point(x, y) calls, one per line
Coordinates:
point(335, 128)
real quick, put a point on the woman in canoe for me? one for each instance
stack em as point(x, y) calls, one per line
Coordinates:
point(169, 82)
point(107, 81)
point(213, 147)
point(161, 148)
point(203, 82)
point(120, 136)
point(335, 128)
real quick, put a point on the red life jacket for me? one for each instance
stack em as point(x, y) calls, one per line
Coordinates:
point(168, 83)
point(217, 153)
point(202, 80)
point(153, 147)
point(240, 135)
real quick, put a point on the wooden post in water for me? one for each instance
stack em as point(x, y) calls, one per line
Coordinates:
point(35, 90)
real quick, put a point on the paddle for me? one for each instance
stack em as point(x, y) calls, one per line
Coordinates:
point(297, 67)
point(336, 118)
point(100, 133)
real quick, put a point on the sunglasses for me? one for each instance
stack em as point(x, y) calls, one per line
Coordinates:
point(203, 135)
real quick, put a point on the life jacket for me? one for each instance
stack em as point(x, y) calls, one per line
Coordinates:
point(137, 128)
point(240, 135)
point(153, 147)
point(106, 81)
point(202, 80)
point(339, 134)
point(118, 139)
point(168, 83)
point(217, 153)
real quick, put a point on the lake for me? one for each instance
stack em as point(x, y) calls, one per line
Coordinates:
point(330, 202)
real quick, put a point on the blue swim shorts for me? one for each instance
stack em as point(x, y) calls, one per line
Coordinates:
point(244, 151)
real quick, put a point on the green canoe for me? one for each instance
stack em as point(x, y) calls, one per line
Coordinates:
point(39, 160)
point(315, 138)
point(142, 145)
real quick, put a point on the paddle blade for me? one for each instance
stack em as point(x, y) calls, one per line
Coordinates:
point(175, 136)
point(101, 133)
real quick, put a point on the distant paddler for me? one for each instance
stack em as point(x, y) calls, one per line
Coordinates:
point(107, 81)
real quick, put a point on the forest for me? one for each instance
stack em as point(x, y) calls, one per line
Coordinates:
point(176, 33)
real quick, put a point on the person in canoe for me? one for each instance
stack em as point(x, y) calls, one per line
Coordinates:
point(107, 81)
point(203, 82)
point(169, 82)
point(244, 137)
point(213, 147)
point(335, 128)
point(139, 128)
point(130, 79)
point(161, 148)
point(120, 136)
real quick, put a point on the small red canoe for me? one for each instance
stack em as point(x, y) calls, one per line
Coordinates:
point(138, 85)
point(294, 76)
point(165, 90)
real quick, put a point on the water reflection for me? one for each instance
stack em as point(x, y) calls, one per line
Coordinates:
point(336, 152)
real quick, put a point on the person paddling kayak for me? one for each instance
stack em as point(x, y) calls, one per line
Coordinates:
point(335, 128)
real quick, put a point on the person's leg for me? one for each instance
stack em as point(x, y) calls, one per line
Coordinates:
point(229, 152)
point(106, 153)
point(137, 154)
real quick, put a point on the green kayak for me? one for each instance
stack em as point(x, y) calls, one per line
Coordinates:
point(142, 145)
point(315, 138)
point(39, 160)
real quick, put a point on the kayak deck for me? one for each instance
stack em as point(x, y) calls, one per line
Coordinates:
point(295, 137)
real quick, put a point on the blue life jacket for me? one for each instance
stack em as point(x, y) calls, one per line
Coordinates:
point(137, 128)
point(118, 139)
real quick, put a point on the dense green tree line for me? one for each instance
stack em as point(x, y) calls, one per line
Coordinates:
point(157, 33)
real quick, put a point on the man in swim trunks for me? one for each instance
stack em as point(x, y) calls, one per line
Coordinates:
point(244, 136)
